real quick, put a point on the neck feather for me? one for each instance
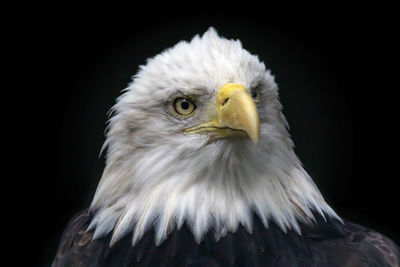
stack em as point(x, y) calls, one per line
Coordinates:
point(214, 189)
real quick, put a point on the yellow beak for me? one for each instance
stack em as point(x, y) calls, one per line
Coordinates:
point(237, 115)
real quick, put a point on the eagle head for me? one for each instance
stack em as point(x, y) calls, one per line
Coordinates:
point(199, 137)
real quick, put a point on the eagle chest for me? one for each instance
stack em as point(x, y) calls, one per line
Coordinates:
point(263, 247)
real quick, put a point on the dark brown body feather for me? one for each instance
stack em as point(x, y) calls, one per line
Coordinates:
point(327, 243)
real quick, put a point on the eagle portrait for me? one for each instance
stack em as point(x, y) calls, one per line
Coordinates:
point(201, 171)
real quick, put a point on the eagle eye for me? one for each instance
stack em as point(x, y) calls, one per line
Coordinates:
point(184, 107)
point(255, 94)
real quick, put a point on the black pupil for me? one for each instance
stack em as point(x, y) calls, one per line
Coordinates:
point(184, 104)
point(254, 94)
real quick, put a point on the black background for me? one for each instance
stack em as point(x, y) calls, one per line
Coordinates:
point(332, 67)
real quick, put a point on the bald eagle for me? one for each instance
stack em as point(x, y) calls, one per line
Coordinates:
point(201, 171)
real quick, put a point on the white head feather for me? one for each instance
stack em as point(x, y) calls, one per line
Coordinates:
point(158, 177)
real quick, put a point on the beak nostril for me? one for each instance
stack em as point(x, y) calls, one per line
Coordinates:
point(225, 101)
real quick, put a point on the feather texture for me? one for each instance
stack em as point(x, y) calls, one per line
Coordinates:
point(324, 243)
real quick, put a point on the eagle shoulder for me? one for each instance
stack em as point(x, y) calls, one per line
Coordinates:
point(76, 246)
point(357, 246)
